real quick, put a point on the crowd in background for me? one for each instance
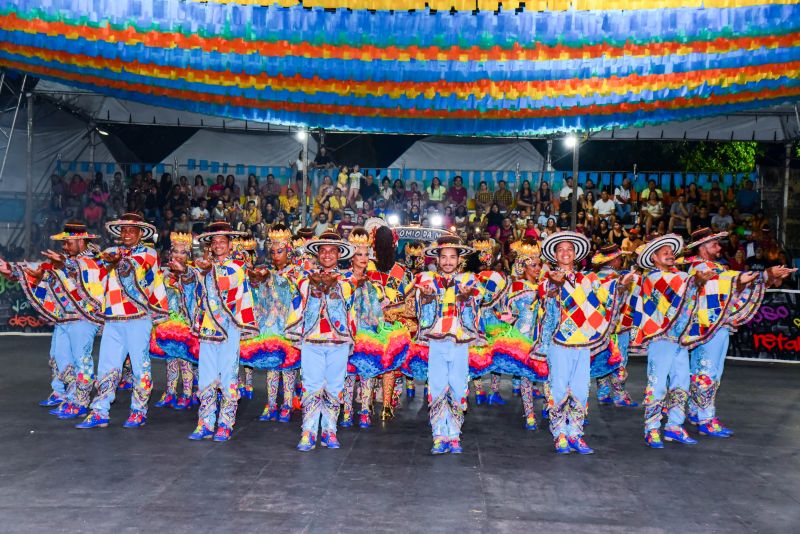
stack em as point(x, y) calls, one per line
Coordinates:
point(346, 197)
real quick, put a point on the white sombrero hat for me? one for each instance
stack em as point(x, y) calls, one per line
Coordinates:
point(329, 237)
point(645, 259)
point(219, 228)
point(704, 235)
point(579, 241)
point(448, 241)
point(131, 219)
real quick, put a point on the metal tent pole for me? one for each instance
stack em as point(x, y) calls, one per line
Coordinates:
point(29, 179)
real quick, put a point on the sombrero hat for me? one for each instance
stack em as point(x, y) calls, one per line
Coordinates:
point(448, 241)
point(645, 259)
point(579, 241)
point(73, 230)
point(131, 219)
point(606, 254)
point(219, 228)
point(704, 235)
point(329, 237)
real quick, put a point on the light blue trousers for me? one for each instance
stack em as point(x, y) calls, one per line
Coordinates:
point(61, 363)
point(667, 369)
point(448, 375)
point(707, 362)
point(323, 368)
point(218, 368)
point(569, 389)
point(120, 339)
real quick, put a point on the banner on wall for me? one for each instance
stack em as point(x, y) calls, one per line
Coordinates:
point(16, 314)
point(774, 332)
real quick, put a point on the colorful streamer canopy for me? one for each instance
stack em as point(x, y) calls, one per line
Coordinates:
point(577, 65)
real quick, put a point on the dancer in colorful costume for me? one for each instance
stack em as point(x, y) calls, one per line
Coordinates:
point(396, 286)
point(67, 292)
point(491, 308)
point(277, 295)
point(173, 338)
point(447, 304)
point(609, 366)
point(134, 298)
point(325, 326)
point(512, 350)
point(579, 325)
point(725, 302)
point(667, 299)
point(225, 315)
point(366, 349)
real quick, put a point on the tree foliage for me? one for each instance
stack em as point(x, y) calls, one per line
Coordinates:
point(729, 157)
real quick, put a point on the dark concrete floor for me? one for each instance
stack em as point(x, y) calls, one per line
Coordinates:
point(54, 478)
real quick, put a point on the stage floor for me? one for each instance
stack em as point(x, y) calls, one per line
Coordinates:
point(54, 478)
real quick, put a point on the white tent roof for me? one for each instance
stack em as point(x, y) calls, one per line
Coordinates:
point(464, 154)
point(776, 124)
point(258, 149)
point(102, 108)
point(57, 133)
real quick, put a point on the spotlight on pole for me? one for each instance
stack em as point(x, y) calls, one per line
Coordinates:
point(393, 220)
point(570, 141)
point(301, 136)
point(102, 132)
point(436, 221)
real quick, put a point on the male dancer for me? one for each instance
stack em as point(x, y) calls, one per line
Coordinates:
point(580, 326)
point(66, 292)
point(225, 315)
point(728, 300)
point(134, 298)
point(667, 302)
point(325, 326)
point(277, 296)
point(447, 305)
point(611, 378)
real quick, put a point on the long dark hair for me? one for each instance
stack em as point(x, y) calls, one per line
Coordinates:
point(384, 249)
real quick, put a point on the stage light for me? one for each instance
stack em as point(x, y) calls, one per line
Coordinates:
point(102, 132)
point(436, 221)
point(570, 141)
point(393, 220)
point(301, 136)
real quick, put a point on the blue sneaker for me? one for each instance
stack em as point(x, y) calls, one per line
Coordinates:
point(364, 420)
point(455, 446)
point(440, 446)
point(61, 408)
point(135, 420)
point(480, 398)
point(495, 398)
point(182, 403)
point(347, 420)
point(307, 442)
point(713, 429)
point(201, 432)
point(605, 400)
point(537, 393)
point(653, 439)
point(270, 413)
point(562, 445)
point(580, 446)
point(723, 427)
point(166, 400)
point(530, 422)
point(247, 393)
point(286, 414)
point(93, 420)
point(329, 439)
point(545, 413)
point(74, 412)
point(53, 400)
point(223, 433)
point(125, 385)
point(693, 418)
point(678, 434)
point(625, 402)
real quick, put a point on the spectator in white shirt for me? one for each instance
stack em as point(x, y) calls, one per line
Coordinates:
point(722, 220)
point(566, 191)
point(622, 199)
point(604, 207)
